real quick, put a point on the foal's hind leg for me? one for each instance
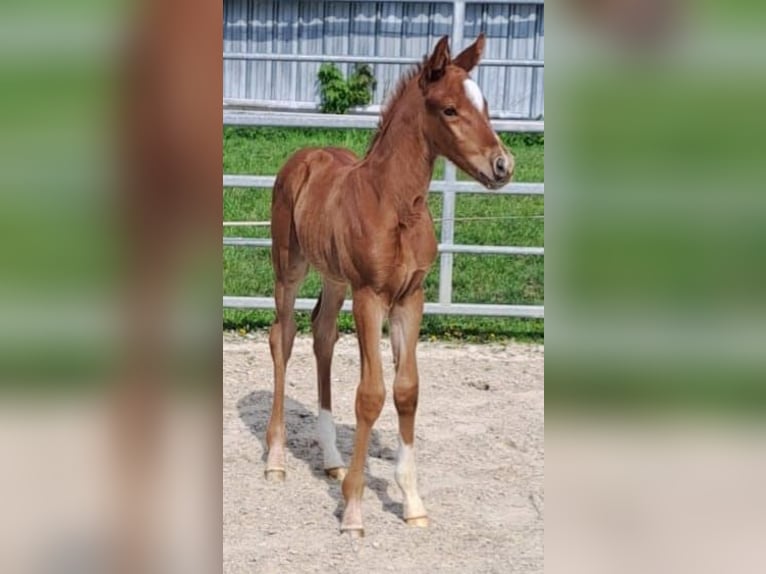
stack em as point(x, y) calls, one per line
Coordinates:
point(290, 269)
point(324, 326)
point(405, 320)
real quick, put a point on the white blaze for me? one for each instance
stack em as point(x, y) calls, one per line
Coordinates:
point(326, 432)
point(473, 92)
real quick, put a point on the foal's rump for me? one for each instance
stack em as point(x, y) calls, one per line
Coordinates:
point(320, 165)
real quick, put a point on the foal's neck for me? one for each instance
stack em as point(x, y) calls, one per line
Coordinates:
point(401, 159)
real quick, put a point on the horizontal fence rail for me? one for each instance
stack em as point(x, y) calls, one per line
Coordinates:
point(526, 311)
point(250, 56)
point(442, 247)
point(316, 120)
point(439, 186)
point(238, 105)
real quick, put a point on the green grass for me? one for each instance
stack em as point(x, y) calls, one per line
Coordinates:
point(476, 278)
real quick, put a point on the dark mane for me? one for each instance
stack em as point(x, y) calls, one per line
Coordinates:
point(393, 98)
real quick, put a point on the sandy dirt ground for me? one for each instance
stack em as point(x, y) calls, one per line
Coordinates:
point(479, 445)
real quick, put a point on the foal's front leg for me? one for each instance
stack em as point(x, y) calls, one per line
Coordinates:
point(405, 326)
point(370, 395)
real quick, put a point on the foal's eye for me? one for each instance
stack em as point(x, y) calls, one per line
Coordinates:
point(450, 111)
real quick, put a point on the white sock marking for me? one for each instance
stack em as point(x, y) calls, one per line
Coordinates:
point(405, 468)
point(473, 92)
point(327, 440)
point(406, 478)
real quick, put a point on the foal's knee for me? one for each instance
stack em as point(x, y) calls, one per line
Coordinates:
point(275, 337)
point(281, 337)
point(406, 396)
point(369, 402)
point(324, 340)
point(290, 328)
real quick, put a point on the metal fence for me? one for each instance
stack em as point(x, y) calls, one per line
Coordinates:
point(448, 187)
point(273, 50)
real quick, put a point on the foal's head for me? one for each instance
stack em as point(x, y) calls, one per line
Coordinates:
point(457, 118)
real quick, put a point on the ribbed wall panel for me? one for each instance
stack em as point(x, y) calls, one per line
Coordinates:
point(409, 29)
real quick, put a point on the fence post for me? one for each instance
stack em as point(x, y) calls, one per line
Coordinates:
point(450, 175)
point(458, 19)
point(448, 236)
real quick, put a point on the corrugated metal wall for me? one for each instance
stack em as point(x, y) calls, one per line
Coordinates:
point(409, 29)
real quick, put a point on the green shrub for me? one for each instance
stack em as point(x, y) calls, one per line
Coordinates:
point(338, 94)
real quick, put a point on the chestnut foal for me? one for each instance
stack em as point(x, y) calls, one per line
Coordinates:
point(365, 223)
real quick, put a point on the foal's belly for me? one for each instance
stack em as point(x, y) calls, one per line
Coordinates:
point(395, 268)
point(320, 247)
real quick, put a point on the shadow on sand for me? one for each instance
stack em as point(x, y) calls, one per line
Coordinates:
point(300, 424)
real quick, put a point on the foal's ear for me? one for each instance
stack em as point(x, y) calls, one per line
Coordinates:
point(436, 65)
point(468, 58)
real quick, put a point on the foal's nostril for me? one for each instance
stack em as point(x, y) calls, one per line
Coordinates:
point(501, 166)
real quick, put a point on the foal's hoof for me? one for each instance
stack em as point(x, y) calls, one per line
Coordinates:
point(338, 473)
point(353, 533)
point(418, 521)
point(275, 475)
